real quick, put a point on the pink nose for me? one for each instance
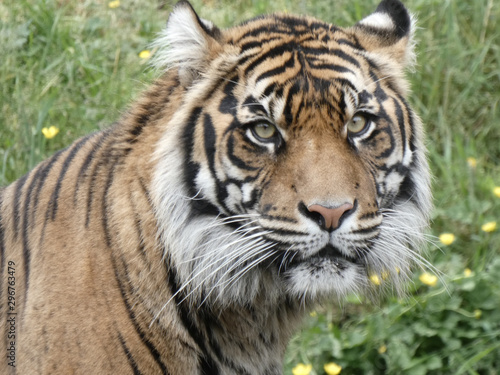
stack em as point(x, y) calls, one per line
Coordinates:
point(331, 216)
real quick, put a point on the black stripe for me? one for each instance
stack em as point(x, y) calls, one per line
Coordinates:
point(154, 352)
point(240, 163)
point(53, 203)
point(254, 199)
point(342, 82)
point(35, 182)
point(115, 161)
point(256, 33)
point(207, 363)
point(401, 123)
point(293, 24)
point(407, 191)
point(288, 112)
point(280, 218)
point(138, 227)
point(103, 161)
point(229, 103)
point(191, 168)
point(254, 106)
point(130, 359)
point(257, 43)
point(272, 87)
point(283, 232)
point(366, 230)
point(86, 163)
point(390, 150)
point(369, 215)
point(279, 70)
point(411, 122)
point(16, 217)
point(332, 67)
point(349, 43)
point(44, 173)
point(277, 51)
point(346, 57)
point(209, 140)
point(140, 123)
point(25, 230)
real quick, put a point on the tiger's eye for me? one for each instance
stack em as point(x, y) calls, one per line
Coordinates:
point(357, 124)
point(264, 131)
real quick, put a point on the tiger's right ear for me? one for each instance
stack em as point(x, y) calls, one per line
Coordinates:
point(389, 32)
point(187, 43)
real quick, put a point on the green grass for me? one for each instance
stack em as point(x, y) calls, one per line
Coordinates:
point(75, 65)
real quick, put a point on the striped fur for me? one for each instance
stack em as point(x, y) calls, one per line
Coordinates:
point(182, 240)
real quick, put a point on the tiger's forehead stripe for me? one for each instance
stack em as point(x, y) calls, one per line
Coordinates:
point(324, 49)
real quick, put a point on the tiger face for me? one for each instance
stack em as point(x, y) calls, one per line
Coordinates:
point(295, 166)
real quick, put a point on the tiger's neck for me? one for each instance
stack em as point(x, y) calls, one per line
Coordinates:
point(249, 340)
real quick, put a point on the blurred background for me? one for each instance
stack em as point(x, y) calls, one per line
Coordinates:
point(68, 68)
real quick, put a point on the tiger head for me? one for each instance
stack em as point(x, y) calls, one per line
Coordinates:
point(294, 166)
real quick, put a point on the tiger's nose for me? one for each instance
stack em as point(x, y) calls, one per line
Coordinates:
point(330, 218)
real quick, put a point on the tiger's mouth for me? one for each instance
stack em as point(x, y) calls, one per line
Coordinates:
point(328, 254)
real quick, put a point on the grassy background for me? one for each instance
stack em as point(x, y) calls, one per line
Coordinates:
point(75, 65)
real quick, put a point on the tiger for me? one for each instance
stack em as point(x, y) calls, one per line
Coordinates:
point(270, 167)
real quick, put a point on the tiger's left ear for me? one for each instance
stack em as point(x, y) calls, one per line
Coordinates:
point(388, 31)
point(188, 43)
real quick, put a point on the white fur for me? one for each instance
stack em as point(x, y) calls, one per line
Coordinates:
point(182, 43)
point(379, 21)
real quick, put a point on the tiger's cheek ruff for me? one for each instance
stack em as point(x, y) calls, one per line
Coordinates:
point(215, 256)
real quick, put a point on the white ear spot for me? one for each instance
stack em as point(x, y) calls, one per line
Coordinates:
point(388, 32)
point(378, 21)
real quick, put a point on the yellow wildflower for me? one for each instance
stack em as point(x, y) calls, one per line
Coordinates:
point(472, 162)
point(313, 314)
point(114, 4)
point(145, 54)
point(467, 272)
point(428, 279)
point(477, 313)
point(496, 191)
point(302, 369)
point(375, 279)
point(447, 238)
point(382, 349)
point(50, 132)
point(332, 368)
point(489, 227)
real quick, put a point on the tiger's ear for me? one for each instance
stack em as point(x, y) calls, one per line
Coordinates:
point(187, 43)
point(388, 31)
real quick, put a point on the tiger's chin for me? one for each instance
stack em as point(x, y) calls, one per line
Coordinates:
point(325, 274)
